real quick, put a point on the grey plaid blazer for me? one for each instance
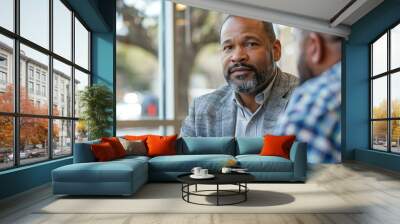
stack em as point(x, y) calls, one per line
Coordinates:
point(214, 114)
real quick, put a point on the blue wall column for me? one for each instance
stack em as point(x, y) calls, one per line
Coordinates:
point(356, 79)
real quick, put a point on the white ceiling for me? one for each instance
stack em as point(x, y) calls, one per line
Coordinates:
point(315, 15)
point(319, 9)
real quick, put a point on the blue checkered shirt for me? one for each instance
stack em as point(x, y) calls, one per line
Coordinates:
point(313, 115)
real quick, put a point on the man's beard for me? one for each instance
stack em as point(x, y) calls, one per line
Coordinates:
point(254, 85)
point(305, 72)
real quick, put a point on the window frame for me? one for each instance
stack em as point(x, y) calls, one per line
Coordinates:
point(388, 74)
point(16, 114)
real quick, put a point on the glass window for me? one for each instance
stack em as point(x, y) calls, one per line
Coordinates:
point(6, 73)
point(81, 45)
point(35, 21)
point(33, 140)
point(159, 130)
point(81, 81)
point(6, 142)
point(62, 29)
point(395, 47)
point(395, 95)
point(379, 98)
point(62, 138)
point(379, 135)
point(395, 136)
point(138, 76)
point(7, 14)
point(382, 138)
point(63, 72)
point(40, 62)
point(379, 56)
point(81, 131)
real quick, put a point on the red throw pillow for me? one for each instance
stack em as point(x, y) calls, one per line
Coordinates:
point(103, 152)
point(161, 145)
point(116, 145)
point(277, 145)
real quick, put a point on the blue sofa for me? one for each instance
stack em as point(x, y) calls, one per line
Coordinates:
point(125, 176)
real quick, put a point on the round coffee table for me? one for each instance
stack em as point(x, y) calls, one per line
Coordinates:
point(238, 179)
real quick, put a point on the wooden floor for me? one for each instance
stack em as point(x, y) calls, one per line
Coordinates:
point(378, 188)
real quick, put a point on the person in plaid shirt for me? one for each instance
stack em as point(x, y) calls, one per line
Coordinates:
point(313, 112)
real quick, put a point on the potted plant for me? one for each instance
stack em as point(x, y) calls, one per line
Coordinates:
point(96, 103)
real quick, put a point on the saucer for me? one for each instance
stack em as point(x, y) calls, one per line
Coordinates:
point(208, 176)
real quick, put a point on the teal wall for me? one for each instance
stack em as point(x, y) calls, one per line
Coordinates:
point(356, 126)
point(99, 16)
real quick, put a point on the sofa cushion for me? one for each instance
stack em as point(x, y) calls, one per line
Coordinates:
point(116, 145)
point(136, 147)
point(277, 145)
point(207, 145)
point(185, 163)
point(161, 145)
point(83, 152)
point(249, 145)
point(103, 152)
point(257, 163)
point(112, 171)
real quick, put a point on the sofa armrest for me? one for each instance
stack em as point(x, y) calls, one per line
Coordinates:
point(83, 152)
point(298, 155)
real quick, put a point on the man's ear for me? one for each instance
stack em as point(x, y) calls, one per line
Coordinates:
point(276, 50)
point(314, 48)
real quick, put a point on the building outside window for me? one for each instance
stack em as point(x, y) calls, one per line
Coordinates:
point(55, 131)
point(385, 93)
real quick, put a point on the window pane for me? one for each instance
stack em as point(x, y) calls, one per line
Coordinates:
point(81, 131)
point(62, 29)
point(7, 14)
point(35, 21)
point(138, 76)
point(81, 45)
point(34, 72)
point(379, 98)
point(379, 135)
point(33, 139)
point(62, 89)
point(395, 136)
point(62, 138)
point(395, 94)
point(395, 47)
point(6, 142)
point(6, 74)
point(81, 81)
point(161, 130)
point(379, 55)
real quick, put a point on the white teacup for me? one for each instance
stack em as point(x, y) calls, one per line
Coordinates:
point(226, 170)
point(196, 170)
point(203, 172)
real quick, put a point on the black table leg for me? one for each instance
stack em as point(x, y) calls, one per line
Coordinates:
point(217, 194)
point(245, 193)
point(196, 188)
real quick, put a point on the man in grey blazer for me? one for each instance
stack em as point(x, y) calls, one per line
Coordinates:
point(257, 91)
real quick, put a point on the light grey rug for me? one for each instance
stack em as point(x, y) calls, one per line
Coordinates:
point(166, 198)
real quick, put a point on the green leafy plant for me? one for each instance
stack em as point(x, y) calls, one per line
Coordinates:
point(96, 102)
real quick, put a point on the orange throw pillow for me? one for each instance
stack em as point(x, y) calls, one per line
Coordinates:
point(136, 137)
point(116, 145)
point(103, 152)
point(161, 145)
point(277, 145)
